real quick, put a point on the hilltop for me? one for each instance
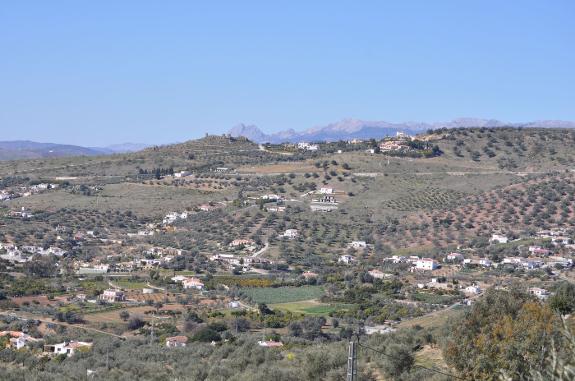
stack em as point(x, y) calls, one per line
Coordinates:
point(348, 129)
point(501, 148)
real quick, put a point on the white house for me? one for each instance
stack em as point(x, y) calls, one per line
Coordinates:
point(234, 304)
point(454, 257)
point(474, 290)
point(176, 341)
point(182, 174)
point(347, 259)
point(538, 250)
point(291, 233)
point(307, 146)
point(67, 348)
point(179, 278)
point(193, 283)
point(498, 238)
point(426, 264)
point(326, 190)
point(241, 242)
point(309, 275)
point(398, 259)
point(376, 274)
point(271, 197)
point(112, 296)
point(358, 244)
point(270, 344)
point(485, 262)
point(541, 293)
point(18, 339)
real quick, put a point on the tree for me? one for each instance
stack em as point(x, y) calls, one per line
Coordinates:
point(400, 360)
point(135, 323)
point(505, 332)
point(564, 299)
point(206, 335)
point(124, 315)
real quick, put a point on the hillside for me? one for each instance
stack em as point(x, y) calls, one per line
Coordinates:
point(24, 149)
point(509, 148)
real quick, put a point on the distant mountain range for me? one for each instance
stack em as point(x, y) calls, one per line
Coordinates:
point(24, 149)
point(355, 128)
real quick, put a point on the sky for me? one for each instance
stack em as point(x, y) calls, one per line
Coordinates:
point(101, 72)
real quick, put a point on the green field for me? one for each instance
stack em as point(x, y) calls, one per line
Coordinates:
point(270, 295)
point(308, 307)
point(130, 285)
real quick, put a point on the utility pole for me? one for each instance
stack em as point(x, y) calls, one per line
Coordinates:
point(351, 362)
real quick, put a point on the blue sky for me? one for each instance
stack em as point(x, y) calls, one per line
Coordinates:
point(102, 72)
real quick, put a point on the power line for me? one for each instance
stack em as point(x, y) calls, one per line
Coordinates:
point(415, 365)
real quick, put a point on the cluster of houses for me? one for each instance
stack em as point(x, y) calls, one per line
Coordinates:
point(307, 146)
point(151, 258)
point(25, 191)
point(234, 261)
point(18, 340)
point(112, 296)
point(24, 254)
point(325, 203)
point(172, 217)
point(397, 143)
point(542, 258)
point(22, 213)
point(245, 244)
point(417, 263)
point(210, 206)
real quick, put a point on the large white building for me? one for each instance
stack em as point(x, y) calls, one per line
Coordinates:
point(291, 233)
point(426, 264)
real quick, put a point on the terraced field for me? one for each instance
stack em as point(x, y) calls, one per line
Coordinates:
point(431, 198)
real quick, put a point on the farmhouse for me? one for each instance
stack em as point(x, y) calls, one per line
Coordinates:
point(309, 275)
point(176, 341)
point(326, 190)
point(270, 344)
point(182, 174)
point(376, 274)
point(473, 290)
point(241, 242)
point(485, 262)
point(67, 348)
point(322, 207)
point(112, 296)
point(541, 293)
point(346, 259)
point(358, 244)
point(426, 264)
point(193, 283)
point(291, 234)
point(18, 339)
point(93, 270)
point(497, 238)
point(308, 146)
point(390, 145)
point(455, 257)
point(538, 250)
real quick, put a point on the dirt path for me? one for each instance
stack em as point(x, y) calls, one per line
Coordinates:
point(26, 316)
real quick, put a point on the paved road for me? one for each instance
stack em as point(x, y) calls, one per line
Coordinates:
point(261, 251)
